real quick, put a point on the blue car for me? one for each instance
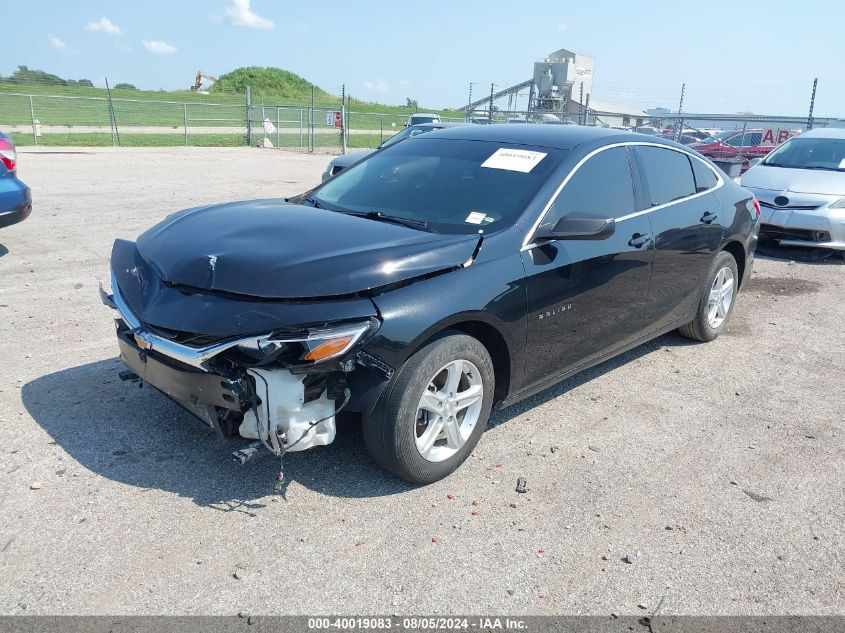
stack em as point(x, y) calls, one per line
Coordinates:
point(15, 197)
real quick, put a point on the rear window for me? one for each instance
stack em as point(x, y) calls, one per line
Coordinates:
point(668, 174)
point(704, 177)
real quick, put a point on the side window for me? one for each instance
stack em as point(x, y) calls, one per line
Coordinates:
point(602, 187)
point(753, 139)
point(667, 173)
point(736, 141)
point(704, 177)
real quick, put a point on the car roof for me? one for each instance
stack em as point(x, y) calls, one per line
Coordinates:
point(824, 132)
point(425, 114)
point(546, 135)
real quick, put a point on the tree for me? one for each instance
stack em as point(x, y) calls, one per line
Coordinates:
point(411, 103)
point(121, 86)
point(23, 75)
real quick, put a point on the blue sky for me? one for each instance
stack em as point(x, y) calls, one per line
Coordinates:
point(733, 55)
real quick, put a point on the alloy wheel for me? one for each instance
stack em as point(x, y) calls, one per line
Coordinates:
point(448, 410)
point(721, 297)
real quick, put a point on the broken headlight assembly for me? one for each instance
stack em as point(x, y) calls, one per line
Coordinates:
point(305, 347)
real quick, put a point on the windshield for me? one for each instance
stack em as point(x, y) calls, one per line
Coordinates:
point(416, 119)
point(809, 153)
point(455, 186)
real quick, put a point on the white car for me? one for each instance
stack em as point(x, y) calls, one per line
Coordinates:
point(801, 190)
point(421, 117)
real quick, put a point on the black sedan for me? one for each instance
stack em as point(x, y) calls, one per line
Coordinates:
point(439, 278)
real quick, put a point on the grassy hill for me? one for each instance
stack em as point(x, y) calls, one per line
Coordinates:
point(271, 86)
point(284, 94)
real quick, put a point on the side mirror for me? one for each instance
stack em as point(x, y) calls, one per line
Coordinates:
point(754, 162)
point(576, 227)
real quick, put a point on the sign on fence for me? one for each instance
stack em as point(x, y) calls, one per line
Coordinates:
point(775, 136)
point(333, 119)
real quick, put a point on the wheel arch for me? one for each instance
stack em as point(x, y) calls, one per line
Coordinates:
point(488, 335)
point(736, 249)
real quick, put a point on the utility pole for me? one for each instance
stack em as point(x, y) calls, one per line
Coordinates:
point(115, 135)
point(490, 113)
point(581, 117)
point(679, 131)
point(343, 115)
point(812, 104)
point(248, 115)
point(469, 99)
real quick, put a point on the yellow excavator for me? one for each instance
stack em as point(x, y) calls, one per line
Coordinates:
point(198, 80)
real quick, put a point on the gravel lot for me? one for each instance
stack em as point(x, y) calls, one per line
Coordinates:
point(717, 468)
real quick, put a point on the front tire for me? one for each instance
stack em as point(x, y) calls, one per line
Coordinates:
point(717, 300)
point(436, 411)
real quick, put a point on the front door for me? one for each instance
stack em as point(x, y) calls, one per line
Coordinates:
point(586, 297)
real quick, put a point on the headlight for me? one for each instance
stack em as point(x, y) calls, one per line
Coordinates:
point(838, 204)
point(313, 345)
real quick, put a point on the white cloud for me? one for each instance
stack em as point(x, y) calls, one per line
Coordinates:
point(158, 47)
point(404, 82)
point(56, 43)
point(240, 14)
point(105, 25)
point(562, 27)
point(380, 86)
point(301, 27)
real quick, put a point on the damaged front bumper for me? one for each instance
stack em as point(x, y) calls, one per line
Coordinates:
point(281, 388)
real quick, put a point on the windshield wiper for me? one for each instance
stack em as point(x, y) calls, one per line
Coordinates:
point(312, 200)
point(383, 217)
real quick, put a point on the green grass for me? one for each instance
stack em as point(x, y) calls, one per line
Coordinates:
point(15, 110)
point(129, 140)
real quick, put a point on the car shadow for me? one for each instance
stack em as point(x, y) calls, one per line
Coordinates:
point(667, 340)
point(769, 249)
point(139, 437)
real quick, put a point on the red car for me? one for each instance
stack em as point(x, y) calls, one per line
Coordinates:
point(736, 144)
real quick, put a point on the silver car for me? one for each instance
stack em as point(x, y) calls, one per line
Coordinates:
point(801, 190)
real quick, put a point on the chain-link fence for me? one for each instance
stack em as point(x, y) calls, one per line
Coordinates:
point(52, 119)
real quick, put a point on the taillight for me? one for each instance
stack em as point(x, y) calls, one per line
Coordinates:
point(7, 154)
point(756, 204)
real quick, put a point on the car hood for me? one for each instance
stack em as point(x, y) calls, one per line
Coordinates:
point(347, 160)
point(821, 182)
point(272, 249)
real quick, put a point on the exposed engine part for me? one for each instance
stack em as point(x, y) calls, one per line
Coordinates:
point(283, 410)
point(248, 452)
point(336, 386)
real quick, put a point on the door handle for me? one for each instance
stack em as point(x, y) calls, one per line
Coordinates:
point(708, 217)
point(638, 240)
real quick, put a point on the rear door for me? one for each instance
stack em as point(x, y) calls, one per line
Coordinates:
point(687, 224)
point(586, 297)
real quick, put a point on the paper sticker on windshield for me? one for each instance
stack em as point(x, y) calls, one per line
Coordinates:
point(514, 159)
point(842, 164)
point(476, 217)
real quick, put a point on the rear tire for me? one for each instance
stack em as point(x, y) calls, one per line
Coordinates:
point(423, 429)
point(718, 297)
